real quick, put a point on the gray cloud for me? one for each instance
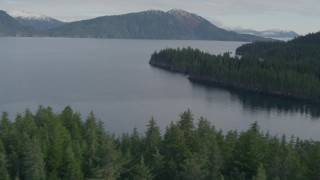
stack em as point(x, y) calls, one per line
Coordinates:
point(13, 2)
point(218, 7)
point(211, 9)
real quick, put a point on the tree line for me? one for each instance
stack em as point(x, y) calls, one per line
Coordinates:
point(47, 145)
point(288, 74)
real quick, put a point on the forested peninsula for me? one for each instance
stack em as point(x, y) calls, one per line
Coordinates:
point(287, 69)
point(47, 145)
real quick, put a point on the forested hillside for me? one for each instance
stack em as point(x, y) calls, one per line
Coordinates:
point(289, 69)
point(11, 27)
point(40, 23)
point(153, 24)
point(48, 145)
point(303, 48)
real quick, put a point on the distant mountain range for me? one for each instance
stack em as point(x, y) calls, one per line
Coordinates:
point(152, 24)
point(11, 27)
point(272, 33)
point(36, 21)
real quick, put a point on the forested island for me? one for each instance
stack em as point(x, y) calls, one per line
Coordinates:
point(287, 69)
point(48, 145)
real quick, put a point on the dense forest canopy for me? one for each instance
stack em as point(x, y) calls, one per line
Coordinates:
point(290, 69)
point(303, 48)
point(48, 145)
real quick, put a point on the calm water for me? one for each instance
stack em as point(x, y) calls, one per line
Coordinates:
point(113, 78)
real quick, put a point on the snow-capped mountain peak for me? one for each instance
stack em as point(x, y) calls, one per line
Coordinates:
point(179, 11)
point(34, 20)
point(27, 15)
point(183, 13)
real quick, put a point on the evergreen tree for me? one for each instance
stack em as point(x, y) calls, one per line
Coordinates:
point(153, 140)
point(58, 141)
point(175, 151)
point(215, 162)
point(5, 126)
point(136, 144)
point(111, 160)
point(41, 147)
point(251, 151)
point(186, 125)
point(27, 124)
point(194, 167)
point(91, 139)
point(43, 117)
point(72, 122)
point(312, 155)
point(125, 143)
point(158, 165)
point(70, 165)
point(142, 171)
point(228, 150)
point(205, 136)
point(3, 163)
point(34, 165)
point(261, 173)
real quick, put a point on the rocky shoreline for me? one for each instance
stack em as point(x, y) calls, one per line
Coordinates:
point(168, 67)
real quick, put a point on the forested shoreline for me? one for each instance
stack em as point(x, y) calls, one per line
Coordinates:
point(287, 69)
point(48, 145)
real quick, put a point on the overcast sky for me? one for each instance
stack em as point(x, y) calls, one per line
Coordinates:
point(302, 16)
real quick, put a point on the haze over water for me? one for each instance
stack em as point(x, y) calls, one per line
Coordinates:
point(113, 78)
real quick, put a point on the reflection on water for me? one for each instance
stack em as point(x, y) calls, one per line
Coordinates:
point(254, 102)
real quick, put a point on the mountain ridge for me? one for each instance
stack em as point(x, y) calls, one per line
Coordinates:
point(34, 20)
point(270, 33)
point(152, 24)
point(11, 27)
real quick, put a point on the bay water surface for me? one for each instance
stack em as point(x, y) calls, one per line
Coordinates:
point(112, 78)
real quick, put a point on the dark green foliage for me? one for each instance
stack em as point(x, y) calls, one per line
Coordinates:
point(152, 140)
point(304, 49)
point(250, 151)
point(284, 69)
point(54, 146)
point(261, 173)
point(3, 163)
point(33, 162)
point(186, 125)
point(195, 167)
point(142, 171)
point(175, 151)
